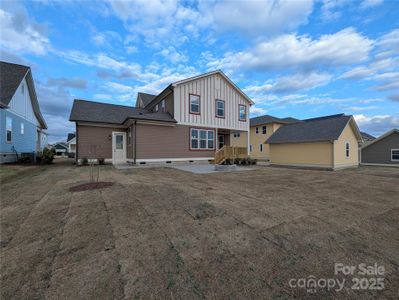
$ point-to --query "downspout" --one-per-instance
(77, 142)
(333, 155)
(134, 142)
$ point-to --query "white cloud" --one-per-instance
(377, 124)
(357, 73)
(257, 111)
(20, 34)
(173, 55)
(256, 18)
(330, 9)
(290, 51)
(370, 3)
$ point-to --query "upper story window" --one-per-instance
(22, 89)
(347, 149)
(8, 129)
(256, 130)
(22, 128)
(202, 139)
(242, 112)
(194, 102)
(395, 154)
(156, 108)
(220, 108)
(163, 105)
(263, 129)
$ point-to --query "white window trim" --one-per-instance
(199, 104)
(349, 150)
(22, 128)
(163, 105)
(8, 141)
(199, 139)
(392, 154)
(239, 113)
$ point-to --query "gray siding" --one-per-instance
(380, 151)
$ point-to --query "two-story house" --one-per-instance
(22, 126)
(187, 121)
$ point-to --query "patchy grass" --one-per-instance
(164, 233)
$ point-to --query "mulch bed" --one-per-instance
(90, 186)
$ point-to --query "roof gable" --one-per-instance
(267, 119)
(144, 98)
(381, 137)
(321, 129)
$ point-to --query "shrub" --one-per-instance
(48, 155)
(85, 161)
(101, 161)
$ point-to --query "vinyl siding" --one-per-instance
(242, 141)
(340, 159)
(302, 154)
(260, 138)
(209, 89)
(380, 151)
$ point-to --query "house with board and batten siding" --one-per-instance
(22, 126)
(188, 121)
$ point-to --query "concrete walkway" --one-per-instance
(204, 168)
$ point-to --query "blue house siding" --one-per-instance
(22, 142)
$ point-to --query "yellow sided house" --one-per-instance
(329, 142)
(261, 128)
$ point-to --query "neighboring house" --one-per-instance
(21, 122)
(384, 150)
(326, 142)
(261, 129)
(71, 141)
(189, 120)
(367, 138)
(61, 149)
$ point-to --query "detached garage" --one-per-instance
(382, 151)
(329, 142)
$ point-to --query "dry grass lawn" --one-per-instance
(164, 233)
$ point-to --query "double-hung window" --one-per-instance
(347, 150)
(263, 129)
(220, 108)
(261, 147)
(22, 128)
(194, 102)
(8, 129)
(395, 154)
(256, 130)
(163, 106)
(202, 139)
(242, 112)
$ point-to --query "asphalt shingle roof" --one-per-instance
(89, 111)
(327, 128)
(11, 76)
(267, 119)
(146, 98)
(367, 136)
(70, 136)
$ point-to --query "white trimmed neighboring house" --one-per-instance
(61, 149)
(22, 126)
(383, 151)
(71, 141)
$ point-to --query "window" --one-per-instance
(261, 147)
(236, 134)
(163, 105)
(156, 108)
(219, 108)
(256, 130)
(250, 148)
(22, 89)
(347, 149)
(119, 142)
(194, 104)
(202, 139)
(129, 136)
(8, 130)
(395, 154)
(22, 128)
(263, 129)
(243, 112)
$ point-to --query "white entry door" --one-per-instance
(118, 147)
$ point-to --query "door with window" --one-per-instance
(220, 141)
(118, 147)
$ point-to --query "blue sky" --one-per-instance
(293, 58)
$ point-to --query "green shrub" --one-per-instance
(48, 155)
(101, 161)
(85, 161)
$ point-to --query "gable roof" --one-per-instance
(11, 76)
(367, 136)
(60, 145)
(70, 136)
(327, 128)
(90, 111)
(386, 134)
(145, 98)
(171, 86)
(267, 119)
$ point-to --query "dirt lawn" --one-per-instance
(165, 233)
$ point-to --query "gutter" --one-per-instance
(134, 142)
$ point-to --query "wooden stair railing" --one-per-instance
(229, 152)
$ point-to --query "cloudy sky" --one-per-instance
(298, 58)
